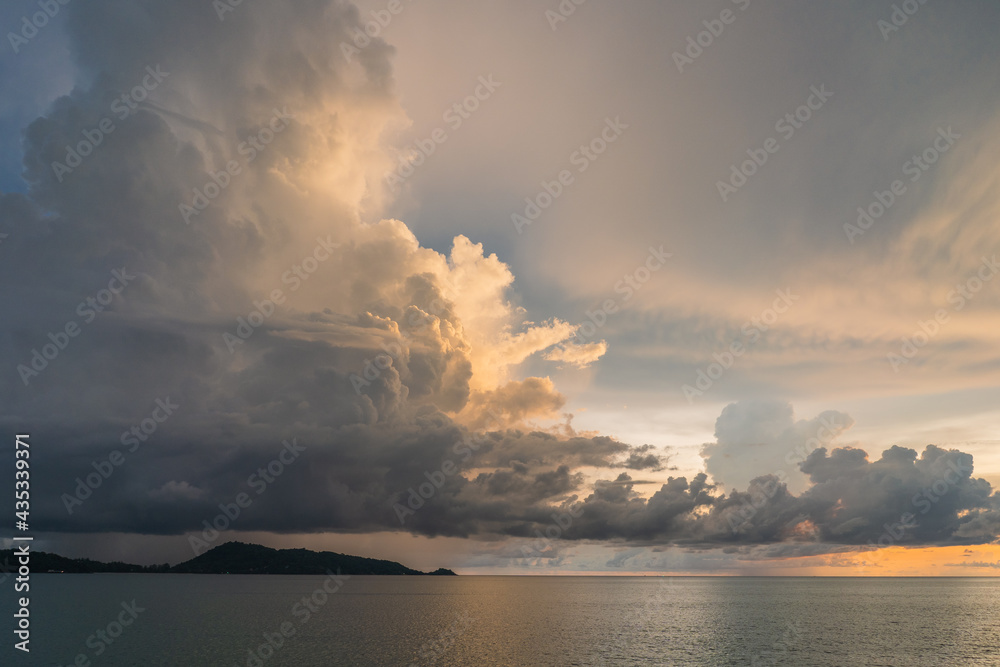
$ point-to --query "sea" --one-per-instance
(485, 621)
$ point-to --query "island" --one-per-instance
(228, 558)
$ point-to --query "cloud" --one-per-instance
(758, 436)
(900, 498)
(975, 563)
(514, 403)
(263, 302)
(639, 459)
(578, 355)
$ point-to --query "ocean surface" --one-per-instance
(223, 621)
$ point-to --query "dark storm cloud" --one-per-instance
(640, 460)
(899, 498)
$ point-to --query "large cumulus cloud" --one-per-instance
(754, 437)
(257, 292)
(900, 498)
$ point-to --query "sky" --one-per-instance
(510, 288)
